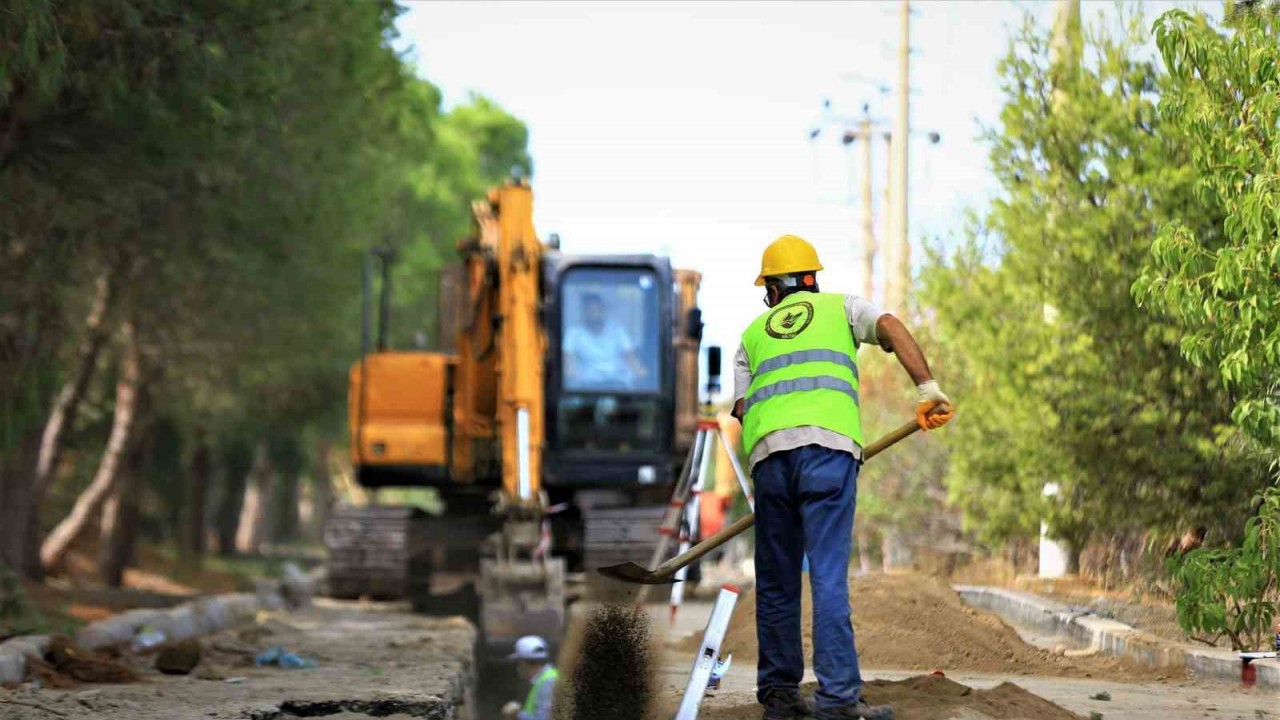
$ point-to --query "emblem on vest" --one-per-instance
(789, 321)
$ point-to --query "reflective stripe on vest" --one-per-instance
(547, 675)
(804, 384)
(804, 356)
(804, 371)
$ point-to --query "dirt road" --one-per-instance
(381, 661)
(374, 660)
(1136, 699)
(1183, 700)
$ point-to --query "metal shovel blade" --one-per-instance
(630, 572)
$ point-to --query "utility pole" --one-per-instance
(1066, 30)
(868, 219)
(866, 135)
(896, 262)
(863, 130)
(886, 217)
(899, 275)
(1057, 559)
(1062, 49)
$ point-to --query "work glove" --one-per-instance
(511, 710)
(931, 397)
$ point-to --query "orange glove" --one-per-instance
(931, 397)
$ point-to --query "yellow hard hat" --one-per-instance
(787, 255)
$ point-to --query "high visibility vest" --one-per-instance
(804, 369)
(548, 675)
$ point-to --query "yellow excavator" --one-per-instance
(551, 425)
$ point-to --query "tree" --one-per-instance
(107, 478)
(1067, 380)
(1234, 591)
(212, 175)
(1223, 281)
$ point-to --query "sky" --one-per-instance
(682, 128)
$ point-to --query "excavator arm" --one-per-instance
(501, 354)
(501, 348)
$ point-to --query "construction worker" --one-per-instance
(533, 665)
(796, 390)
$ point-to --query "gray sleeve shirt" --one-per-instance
(862, 315)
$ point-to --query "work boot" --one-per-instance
(859, 709)
(785, 704)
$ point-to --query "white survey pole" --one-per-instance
(708, 654)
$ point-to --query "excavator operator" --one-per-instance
(600, 354)
(796, 390)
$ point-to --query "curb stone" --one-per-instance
(1113, 637)
(202, 616)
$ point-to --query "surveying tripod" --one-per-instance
(682, 518)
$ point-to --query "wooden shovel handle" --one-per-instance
(696, 552)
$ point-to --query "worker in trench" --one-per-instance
(533, 665)
(796, 390)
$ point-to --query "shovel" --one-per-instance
(664, 574)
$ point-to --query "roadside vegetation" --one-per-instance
(1112, 316)
(187, 193)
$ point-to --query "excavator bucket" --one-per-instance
(629, 572)
(520, 598)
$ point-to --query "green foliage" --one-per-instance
(19, 616)
(13, 602)
(901, 492)
(1065, 379)
(1223, 281)
(225, 166)
(1234, 592)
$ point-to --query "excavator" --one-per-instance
(550, 424)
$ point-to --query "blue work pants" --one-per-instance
(804, 506)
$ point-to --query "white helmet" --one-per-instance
(529, 647)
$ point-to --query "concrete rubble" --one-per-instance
(198, 617)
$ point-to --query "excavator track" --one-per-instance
(377, 551)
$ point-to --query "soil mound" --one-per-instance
(66, 664)
(915, 622)
(930, 697)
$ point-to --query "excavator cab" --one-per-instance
(610, 371)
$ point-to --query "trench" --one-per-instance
(432, 709)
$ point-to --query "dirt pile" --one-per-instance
(929, 697)
(179, 658)
(66, 664)
(914, 622)
(612, 662)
